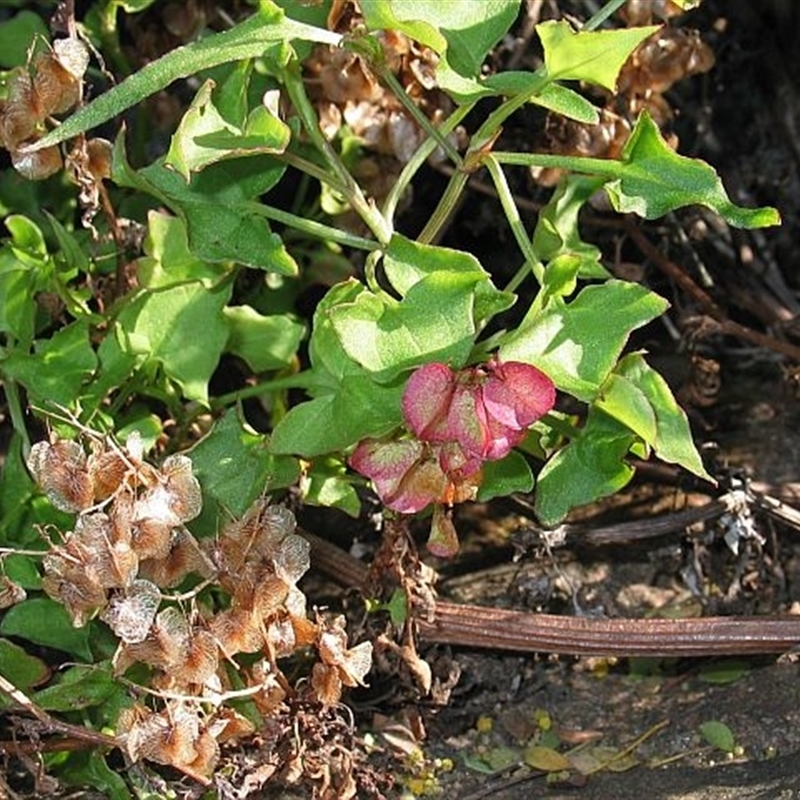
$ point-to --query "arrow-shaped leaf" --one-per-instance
(656, 180)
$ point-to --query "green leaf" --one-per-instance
(27, 236)
(57, 369)
(577, 344)
(326, 484)
(182, 329)
(592, 56)
(725, 671)
(235, 467)
(17, 35)
(117, 364)
(467, 31)
(23, 570)
(268, 29)
(348, 404)
(43, 621)
(18, 307)
(133, 6)
(264, 342)
(557, 231)
(718, 735)
(504, 477)
(552, 96)
(672, 439)
(89, 768)
(433, 322)
(591, 466)
(71, 257)
(204, 137)
(168, 261)
(334, 422)
(407, 262)
(20, 668)
(656, 180)
(79, 687)
(223, 223)
(626, 402)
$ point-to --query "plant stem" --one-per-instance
(298, 381)
(109, 33)
(413, 109)
(17, 415)
(532, 261)
(448, 201)
(603, 167)
(312, 228)
(603, 14)
(293, 81)
(423, 152)
(312, 169)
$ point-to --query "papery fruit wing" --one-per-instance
(183, 486)
(443, 539)
(426, 400)
(356, 663)
(131, 615)
(518, 394)
(59, 467)
(293, 558)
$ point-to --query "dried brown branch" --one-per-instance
(503, 629)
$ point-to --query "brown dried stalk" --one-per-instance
(503, 629)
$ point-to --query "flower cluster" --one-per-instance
(458, 420)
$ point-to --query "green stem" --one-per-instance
(312, 169)
(312, 228)
(293, 81)
(447, 203)
(488, 130)
(423, 152)
(603, 167)
(511, 211)
(17, 415)
(603, 14)
(413, 109)
(298, 381)
(109, 34)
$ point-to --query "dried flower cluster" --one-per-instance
(668, 56)
(457, 420)
(130, 543)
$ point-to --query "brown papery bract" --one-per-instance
(129, 541)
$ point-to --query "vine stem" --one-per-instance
(293, 81)
(511, 211)
(422, 154)
(313, 228)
